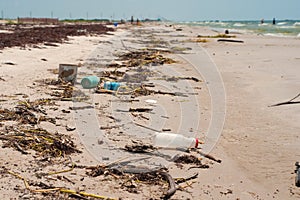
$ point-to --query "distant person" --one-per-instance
(131, 20)
(262, 21)
(137, 21)
(274, 21)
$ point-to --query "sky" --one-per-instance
(176, 10)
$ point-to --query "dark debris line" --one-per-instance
(22, 36)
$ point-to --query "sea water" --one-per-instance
(282, 28)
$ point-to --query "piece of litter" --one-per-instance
(151, 101)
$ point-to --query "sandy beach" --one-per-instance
(219, 92)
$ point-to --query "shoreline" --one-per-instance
(253, 78)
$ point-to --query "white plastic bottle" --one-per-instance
(172, 140)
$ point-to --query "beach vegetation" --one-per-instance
(10, 22)
(202, 40)
(84, 20)
(217, 36)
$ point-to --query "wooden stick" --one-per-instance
(210, 157)
(288, 102)
(182, 180)
(172, 185)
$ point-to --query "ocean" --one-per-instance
(282, 28)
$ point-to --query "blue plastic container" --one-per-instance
(111, 85)
(90, 82)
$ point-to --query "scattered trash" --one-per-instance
(172, 140)
(111, 85)
(151, 101)
(68, 72)
(90, 82)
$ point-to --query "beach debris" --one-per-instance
(140, 109)
(190, 159)
(46, 189)
(151, 101)
(201, 40)
(39, 140)
(2, 79)
(209, 156)
(182, 180)
(167, 140)
(64, 91)
(9, 63)
(110, 127)
(146, 127)
(227, 40)
(112, 85)
(297, 171)
(70, 128)
(143, 57)
(90, 82)
(217, 36)
(115, 74)
(291, 101)
(26, 112)
(228, 191)
(175, 79)
(68, 72)
(48, 35)
(139, 147)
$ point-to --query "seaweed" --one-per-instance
(39, 140)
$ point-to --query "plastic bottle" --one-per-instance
(111, 85)
(90, 82)
(172, 140)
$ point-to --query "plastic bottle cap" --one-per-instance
(197, 142)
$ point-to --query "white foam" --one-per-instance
(239, 25)
(281, 23)
(297, 24)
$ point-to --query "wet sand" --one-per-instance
(258, 144)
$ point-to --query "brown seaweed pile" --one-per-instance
(22, 35)
(39, 140)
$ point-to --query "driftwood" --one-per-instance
(210, 157)
(288, 102)
(182, 180)
(110, 127)
(172, 185)
(228, 40)
(140, 109)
